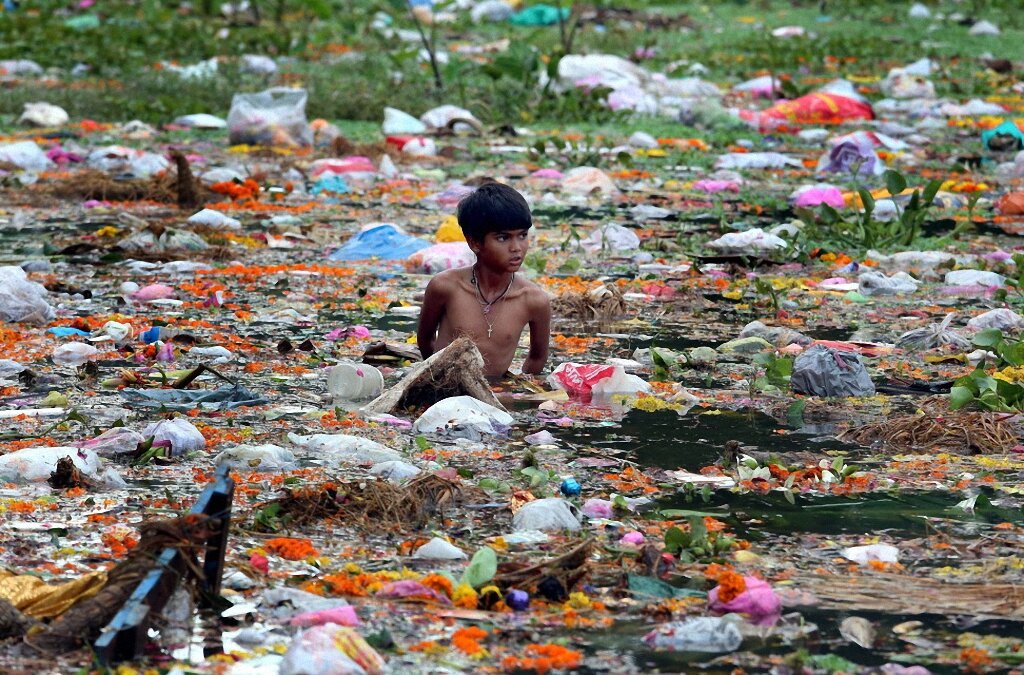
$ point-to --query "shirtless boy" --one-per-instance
(488, 302)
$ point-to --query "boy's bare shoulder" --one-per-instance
(534, 294)
(448, 280)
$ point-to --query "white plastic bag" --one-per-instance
(552, 513)
(256, 458)
(354, 382)
(26, 155)
(1004, 319)
(395, 471)
(974, 278)
(115, 442)
(214, 219)
(345, 449)
(34, 465)
(584, 180)
(439, 549)
(440, 257)
(22, 300)
(43, 115)
(276, 116)
(752, 241)
(463, 417)
(611, 237)
(183, 436)
(315, 652)
(873, 283)
(709, 634)
(73, 354)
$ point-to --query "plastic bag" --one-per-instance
(755, 160)
(754, 241)
(934, 335)
(25, 155)
(974, 278)
(214, 219)
(552, 513)
(276, 116)
(256, 458)
(584, 180)
(395, 471)
(34, 465)
(182, 435)
(330, 650)
(443, 116)
(381, 240)
(73, 354)
(1011, 204)
(1004, 319)
(22, 300)
(611, 237)
(862, 555)
(440, 257)
(620, 384)
(758, 602)
(817, 108)
(579, 379)
(463, 417)
(780, 336)
(354, 382)
(822, 371)
(873, 283)
(115, 442)
(43, 115)
(223, 398)
(1005, 137)
(400, 122)
(439, 549)
(708, 634)
(345, 449)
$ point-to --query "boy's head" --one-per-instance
(493, 207)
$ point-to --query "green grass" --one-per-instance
(860, 39)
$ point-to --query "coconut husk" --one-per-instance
(66, 475)
(959, 431)
(373, 504)
(603, 303)
(12, 622)
(902, 594)
(568, 566)
(83, 622)
(188, 188)
(456, 370)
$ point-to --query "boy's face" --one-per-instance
(501, 251)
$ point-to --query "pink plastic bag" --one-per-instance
(343, 616)
(758, 602)
(578, 379)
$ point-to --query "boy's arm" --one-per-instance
(430, 317)
(540, 333)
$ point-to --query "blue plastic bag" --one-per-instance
(386, 242)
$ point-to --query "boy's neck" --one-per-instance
(488, 279)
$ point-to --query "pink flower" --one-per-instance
(259, 562)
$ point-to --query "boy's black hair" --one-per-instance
(493, 207)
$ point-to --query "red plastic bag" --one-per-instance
(1011, 204)
(578, 379)
(809, 109)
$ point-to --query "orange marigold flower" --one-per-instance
(291, 549)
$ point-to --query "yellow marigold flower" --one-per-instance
(464, 596)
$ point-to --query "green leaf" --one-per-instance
(795, 414)
(930, 190)
(867, 200)
(676, 540)
(959, 397)
(656, 588)
(673, 514)
(989, 337)
(895, 183)
(698, 532)
(482, 568)
(422, 443)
